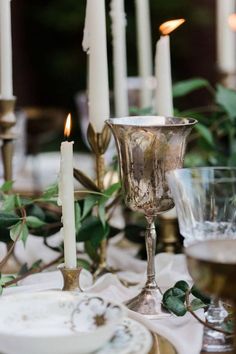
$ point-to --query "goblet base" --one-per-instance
(147, 303)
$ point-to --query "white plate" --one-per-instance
(131, 337)
(55, 322)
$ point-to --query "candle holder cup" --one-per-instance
(71, 278)
(7, 122)
(147, 148)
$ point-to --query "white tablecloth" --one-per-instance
(184, 332)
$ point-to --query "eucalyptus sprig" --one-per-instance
(41, 217)
(177, 301)
(20, 215)
(93, 227)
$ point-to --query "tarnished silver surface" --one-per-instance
(147, 148)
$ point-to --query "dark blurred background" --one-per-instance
(50, 66)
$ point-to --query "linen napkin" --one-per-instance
(185, 333)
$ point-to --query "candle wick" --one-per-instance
(66, 138)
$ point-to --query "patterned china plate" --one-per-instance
(131, 337)
(55, 322)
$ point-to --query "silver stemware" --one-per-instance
(147, 148)
(205, 201)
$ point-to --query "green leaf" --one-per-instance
(185, 87)
(6, 279)
(83, 264)
(9, 203)
(195, 292)
(194, 159)
(175, 305)
(91, 251)
(51, 191)
(112, 189)
(101, 234)
(102, 214)
(36, 264)
(205, 133)
(34, 222)
(19, 231)
(24, 233)
(6, 186)
(93, 230)
(108, 193)
(182, 285)
(8, 219)
(18, 201)
(15, 231)
(197, 304)
(24, 269)
(89, 203)
(226, 98)
(77, 217)
(35, 210)
(174, 292)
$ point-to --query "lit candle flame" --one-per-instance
(169, 26)
(232, 22)
(67, 126)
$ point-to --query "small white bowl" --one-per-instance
(56, 322)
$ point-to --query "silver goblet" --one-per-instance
(147, 148)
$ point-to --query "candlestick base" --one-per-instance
(7, 122)
(71, 278)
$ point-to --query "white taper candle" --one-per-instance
(145, 62)
(95, 44)
(164, 98)
(118, 18)
(6, 90)
(226, 41)
(66, 200)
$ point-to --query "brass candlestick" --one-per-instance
(99, 143)
(169, 236)
(7, 122)
(71, 278)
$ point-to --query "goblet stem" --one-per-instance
(150, 240)
(148, 302)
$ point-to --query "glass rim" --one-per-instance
(132, 121)
(193, 251)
